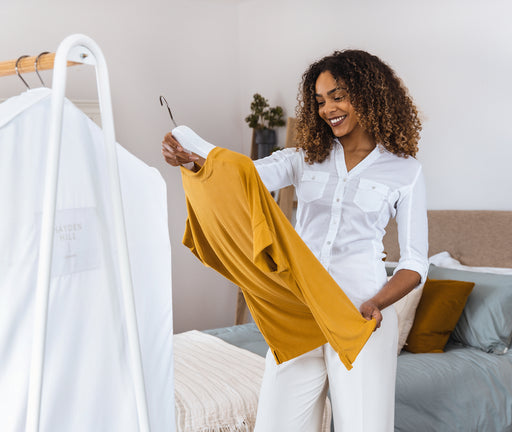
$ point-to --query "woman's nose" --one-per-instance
(329, 106)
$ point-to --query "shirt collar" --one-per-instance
(361, 166)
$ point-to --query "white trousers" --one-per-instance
(292, 395)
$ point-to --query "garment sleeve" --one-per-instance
(279, 169)
(411, 218)
(189, 240)
(267, 253)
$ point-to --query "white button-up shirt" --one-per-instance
(342, 215)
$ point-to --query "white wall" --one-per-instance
(455, 56)
(208, 57)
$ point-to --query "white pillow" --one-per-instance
(406, 310)
(444, 259)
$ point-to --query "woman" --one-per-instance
(354, 169)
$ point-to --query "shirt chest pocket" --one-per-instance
(370, 195)
(312, 185)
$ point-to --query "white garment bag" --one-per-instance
(90, 381)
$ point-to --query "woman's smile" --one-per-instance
(336, 121)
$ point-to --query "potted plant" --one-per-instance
(263, 119)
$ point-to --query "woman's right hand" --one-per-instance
(174, 154)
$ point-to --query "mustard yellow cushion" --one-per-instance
(437, 314)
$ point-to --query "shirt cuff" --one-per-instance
(419, 267)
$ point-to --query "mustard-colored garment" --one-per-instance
(235, 227)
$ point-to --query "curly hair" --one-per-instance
(381, 101)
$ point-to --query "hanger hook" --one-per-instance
(18, 73)
(168, 109)
(35, 66)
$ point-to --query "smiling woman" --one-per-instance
(352, 173)
(357, 134)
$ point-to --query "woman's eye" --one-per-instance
(320, 103)
(339, 98)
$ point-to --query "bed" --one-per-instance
(468, 387)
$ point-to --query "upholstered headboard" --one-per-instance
(474, 237)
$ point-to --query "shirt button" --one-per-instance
(312, 178)
(373, 187)
(328, 242)
(345, 179)
(337, 200)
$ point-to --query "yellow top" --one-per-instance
(235, 227)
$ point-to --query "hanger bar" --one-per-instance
(27, 64)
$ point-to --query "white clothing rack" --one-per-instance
(82, 49)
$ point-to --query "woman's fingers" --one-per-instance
(172, 142)
(370, 310)
(378, 317)
(169, 156)
(176, 159)
(174, 154)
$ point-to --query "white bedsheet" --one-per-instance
(217, 385)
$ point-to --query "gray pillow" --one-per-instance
(486, 322)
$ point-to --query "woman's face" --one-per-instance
(334, 105)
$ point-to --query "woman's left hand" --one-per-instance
(370, 310)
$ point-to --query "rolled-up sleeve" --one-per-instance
(279, 169)
(411, 218)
